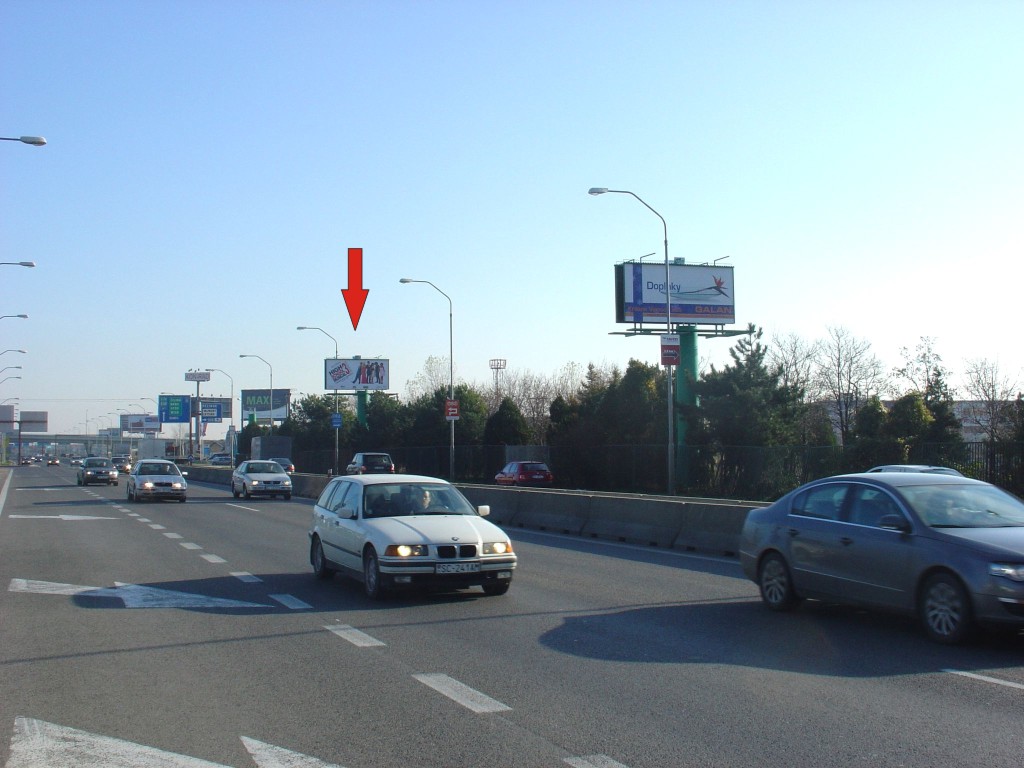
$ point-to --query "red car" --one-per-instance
(528, 473)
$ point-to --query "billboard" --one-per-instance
(175, 409)
(214, 409)
(257, 402)
(7, 418)
(356, 374)
(35, 421)
(697, 294)
(140, 423)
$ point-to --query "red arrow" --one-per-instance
(355, 295)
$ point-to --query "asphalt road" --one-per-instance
(166, 634)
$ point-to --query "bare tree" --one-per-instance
(847, 373)
(991, 399)
(924, 372)
(795, 357)
(435, 375)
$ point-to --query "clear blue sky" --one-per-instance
(209, 164)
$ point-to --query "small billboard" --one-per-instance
(696, 294)
(139, 423)
(259, 404)
(356, 374)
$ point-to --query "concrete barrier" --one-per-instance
(701, 525)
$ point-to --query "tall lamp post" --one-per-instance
(271, 389)
(35, 141)
(22, 351)
(17, 263)
(336, 411)
(234, 439)
(451, 374)
(668, 327)
(23, 317)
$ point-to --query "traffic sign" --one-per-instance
(451, 410)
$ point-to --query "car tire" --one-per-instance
(776, 584)
(945, 610)
(371, 576)
(316, 558)
(245, 492)
(234, 491)
(183, 499)
(287, 497)
(498, 588)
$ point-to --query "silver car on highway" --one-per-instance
(946, 548)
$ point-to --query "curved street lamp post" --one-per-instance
(271, 389)
(336, 412)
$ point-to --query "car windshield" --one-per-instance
(377, 461)
(158, 469)
(964, 506)
(98, 463)
(403, 499)
(264, 467)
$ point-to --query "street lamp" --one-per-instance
(10, 367)
(9, 378)
(234, 437)
(35, 141)
(336, 412)
(22, 351)
(17, 263)
(23, 317)
(271, 389)
(451, 373)
(668, 326)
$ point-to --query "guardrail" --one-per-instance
(690, 524)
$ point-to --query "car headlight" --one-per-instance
(286, 482)
(255, 482)
(497, 547)
(406, 550)
(1012, 571)
(177, 485)
(147, 484)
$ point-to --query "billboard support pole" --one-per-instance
(686, 374)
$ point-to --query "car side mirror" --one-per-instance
(184, 474)
(894, 523)
(347, 513)
(484, 510)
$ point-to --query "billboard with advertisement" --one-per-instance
(356, 374)
(697, 294)
(258, 403)
(139, 423)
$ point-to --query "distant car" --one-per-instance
(916, 468)
(370, 463)
(76, 462)
(156, 479)
(948, 549)
(26, 462)
(97, 470)
(123, 463)
(395, 531)
(525, 473)
(286, 465)
(220, 460)
(260, 477)
(53, 461)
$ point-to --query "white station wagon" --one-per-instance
(394, 531)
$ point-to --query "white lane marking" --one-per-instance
(268, 756)
(213, 559)
(190, 545)
(174, 536)
(37, 743)
(290, 601)
(240, 575)
(60, 517)
(461, 693)
(144, 520)
(593, 761)
(3, 491)
(134, 514)
(132, 595)
(985, 679)
(239, 506)
(158, 527)
(354, 636)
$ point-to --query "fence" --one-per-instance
(735, 472)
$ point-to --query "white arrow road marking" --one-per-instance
(61, 517)
(462, 693)
(132, 595)
(354, 636)
(269, 756)
(38, 744)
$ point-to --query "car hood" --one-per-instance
(159, 478)
(1007, 540)
(264, 476)
(436, 529)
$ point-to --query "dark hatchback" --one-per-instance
(947, 549)
(525, 473)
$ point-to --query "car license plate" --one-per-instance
(457, 568)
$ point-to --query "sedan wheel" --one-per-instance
(129, 494)
(945, 610)
(776, 584)
(498, 588)
(245, 491)
(234, 491)
(319, 562)
(371, 576)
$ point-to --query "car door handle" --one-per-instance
(845, 541)
(793, 533)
